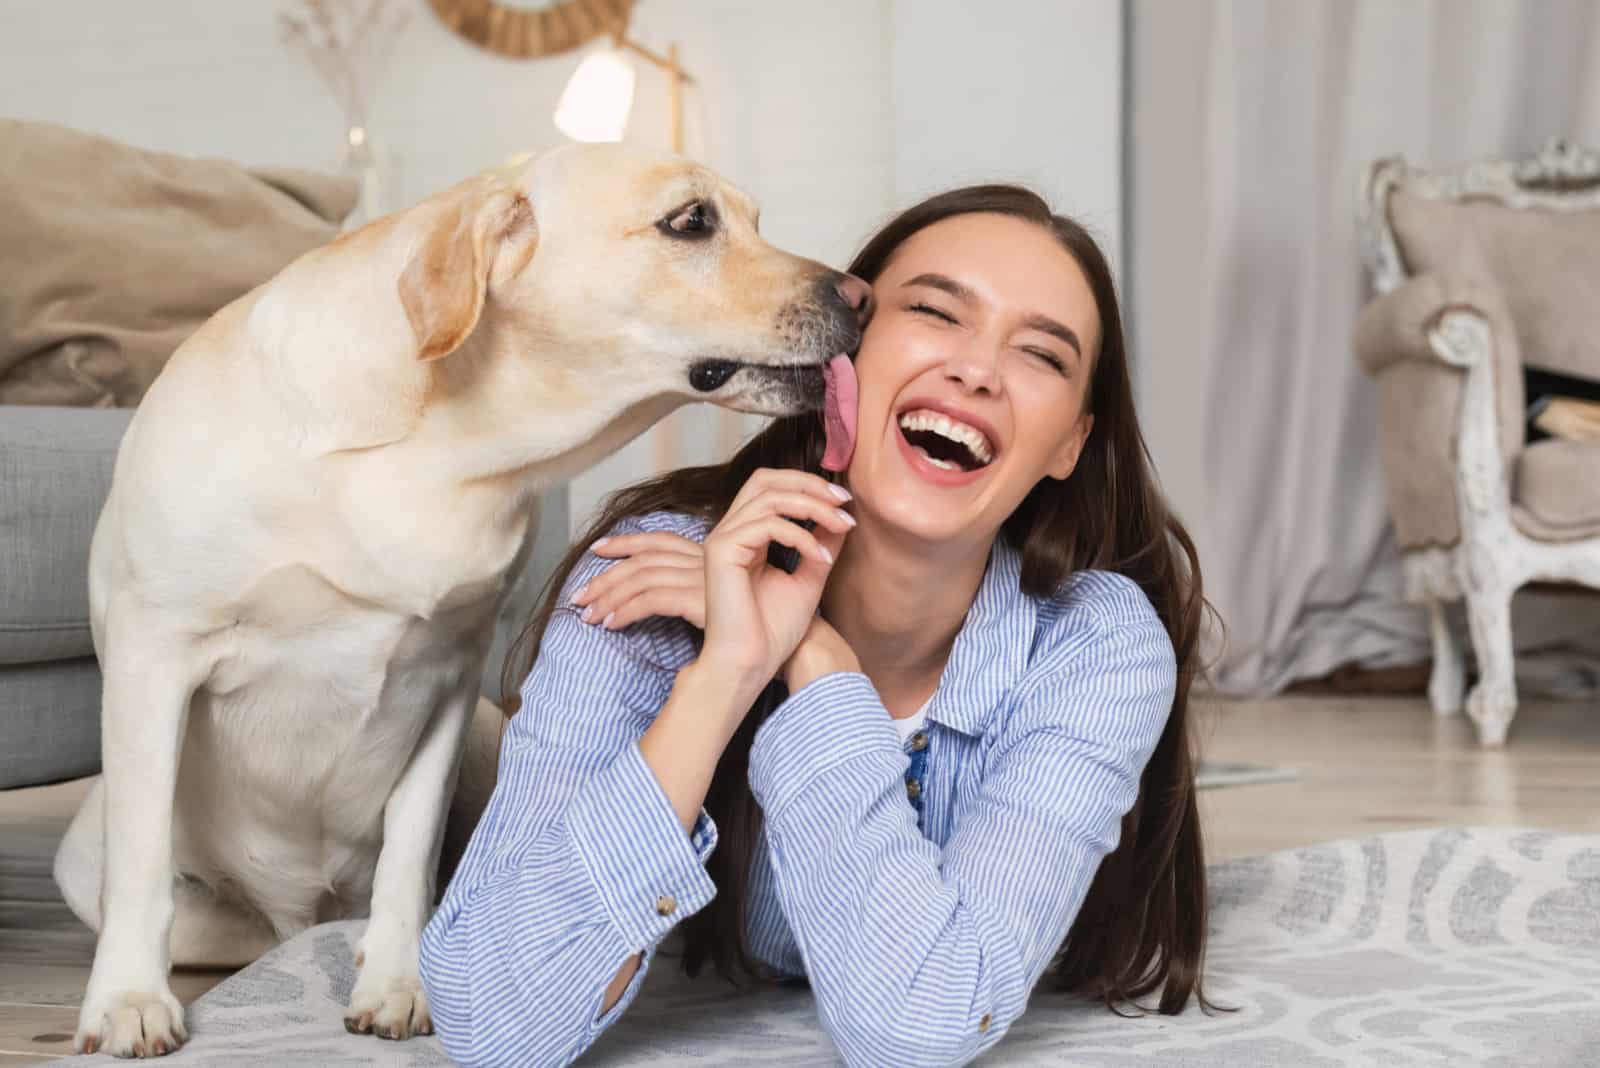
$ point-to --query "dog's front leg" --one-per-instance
(128, 1008)
(388, 999)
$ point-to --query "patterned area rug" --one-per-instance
(1448, 947)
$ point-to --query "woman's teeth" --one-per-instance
(962, 434)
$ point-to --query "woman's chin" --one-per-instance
(909, 498)
(913, 515)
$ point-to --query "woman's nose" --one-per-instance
(975, 367)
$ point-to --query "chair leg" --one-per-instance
(1448, 679)
(1493, 701)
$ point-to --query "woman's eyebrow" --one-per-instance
(1049, 326)
(947, 284)
(1042, 323)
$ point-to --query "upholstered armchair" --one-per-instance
(1479, 271)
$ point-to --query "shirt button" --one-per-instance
(913, 789)
(983, 1024)
(919, 741)
(665, 904)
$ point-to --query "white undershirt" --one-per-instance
(913, 723)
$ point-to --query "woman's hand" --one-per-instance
(663, 574)
(660, 574)
(822, 651)
(769, 613)
(757, 614)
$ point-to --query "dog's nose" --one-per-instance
(855, 293)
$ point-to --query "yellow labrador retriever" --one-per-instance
(316, 513)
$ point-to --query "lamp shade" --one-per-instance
(595, 104)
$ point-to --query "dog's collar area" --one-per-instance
(710, 375)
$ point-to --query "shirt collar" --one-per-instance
(991, 649)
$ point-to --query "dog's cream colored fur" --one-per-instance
(312, 523)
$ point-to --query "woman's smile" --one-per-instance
(943, 448)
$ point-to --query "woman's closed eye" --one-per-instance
(1047, 356)
(1055, 362)
(930, 310)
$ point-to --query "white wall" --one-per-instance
(833, 113)
(1018, 90)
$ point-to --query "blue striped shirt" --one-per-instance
(922, 915)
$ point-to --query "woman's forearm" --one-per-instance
(574, 870)
(582, 859)
(682, 748)
(687, 738)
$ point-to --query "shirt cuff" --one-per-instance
(650, 874)
(831, 721)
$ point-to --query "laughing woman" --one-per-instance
(972, 760)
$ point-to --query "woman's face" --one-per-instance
(971, 376)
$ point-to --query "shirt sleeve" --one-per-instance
(925, 956)
(578, 863)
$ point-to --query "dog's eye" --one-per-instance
(692, 220)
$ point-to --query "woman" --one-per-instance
(974, 743)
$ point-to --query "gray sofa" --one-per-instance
(55, 471)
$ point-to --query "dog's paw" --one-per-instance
(146, 1024)
(398, 1009)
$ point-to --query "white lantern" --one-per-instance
(595, 104)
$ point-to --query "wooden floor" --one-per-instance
(1365, 766)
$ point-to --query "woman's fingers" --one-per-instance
(826, 513)
(621, 571)
(635, 582)
(655, 541)
(765, 479)
(743, 543)
(687, 603)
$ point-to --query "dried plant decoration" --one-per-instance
(347, 43)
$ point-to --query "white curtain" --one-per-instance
(1251, 122)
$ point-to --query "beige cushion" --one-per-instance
(1556, 490)
(110, 256)
(1545, 261)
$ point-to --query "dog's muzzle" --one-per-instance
(710, 375)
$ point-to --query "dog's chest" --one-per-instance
(325, 672)
(316, 672)
(311, 725)
(354, 615)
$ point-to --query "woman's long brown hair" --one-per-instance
(1142, 927)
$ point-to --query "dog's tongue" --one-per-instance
(839, 412)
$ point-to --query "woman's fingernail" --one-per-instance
(846, 516)
(839, 491)
(599, 543)
(606, 622)
(578, 597)
(826, 555)
(587, 614)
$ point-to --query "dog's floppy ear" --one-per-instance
(445, 281)
(341, 352)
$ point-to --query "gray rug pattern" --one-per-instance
(1449, 947)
